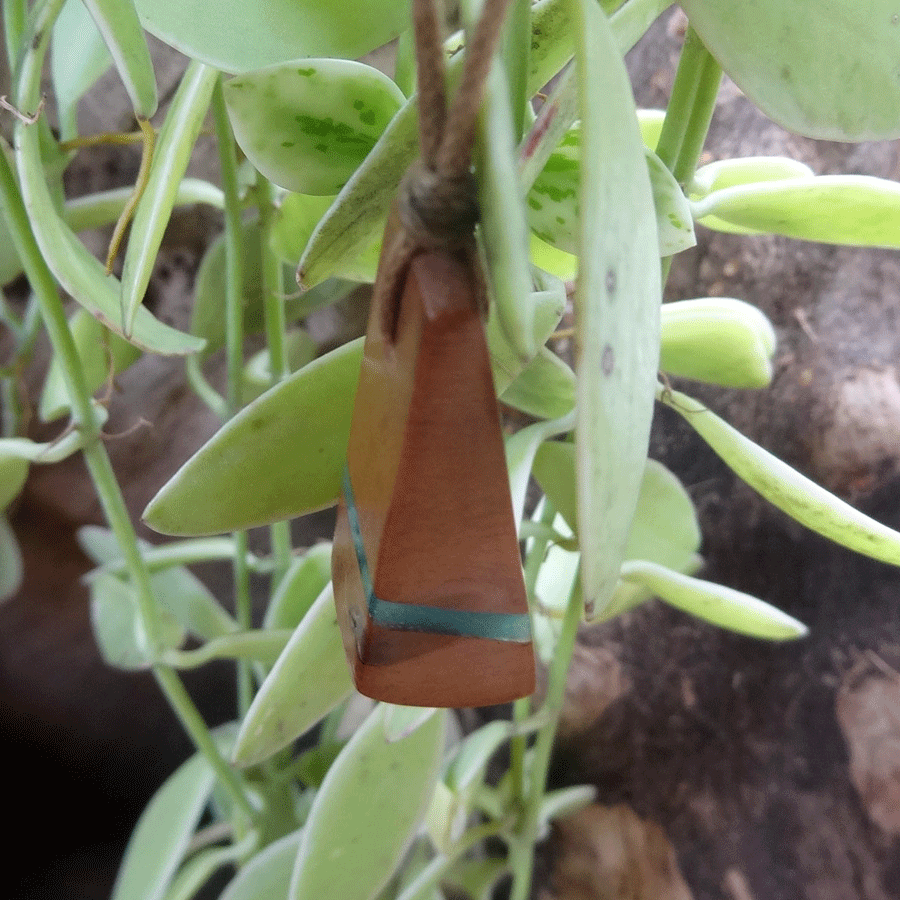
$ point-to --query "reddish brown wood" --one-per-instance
(431, 488)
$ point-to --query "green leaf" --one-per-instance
(102, 354)
(299, 428)
(544, 389)
(177, 590)
(366, 813)
(208, 313)
(301, 585)
(51, 452)
(504, 229)
(308, 125)
(236, 37)
(118, 23)
(617, 308)
(802, 499)
(197, 871)
(402, 721)
(79, 57)
(854, 210)
(520, 452)
(10, 561)
(726, 173)
(263, 646)
(715, 603)
(546, 308)
(553, 200)
(268, 874)
(13, 472)
(163, 833)
(118, 629)
(473, 754)
(824, 70)
(77, 271)
(170, 159)
(564, 802)
(718, 340)
(309, 679)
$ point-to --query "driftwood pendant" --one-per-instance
(426, 568)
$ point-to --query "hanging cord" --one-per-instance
(437, 202)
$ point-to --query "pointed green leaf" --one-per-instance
(715, 603)
(78, 272)
(102, 354)
(175, 588)
(170, 159)
(10, 561)
(718, 340)
(309, 679)
(824, 70)
(854, 210)
(544, 389)
(367, 811)
(236, 37)
(802, 499)
(268, 874)
(553, 200)
(308, 125)
(118, 23)
(504, 229)
(52, 451)
(617, 308)
(402, 721)
(163, 833)
(78, 58)
(547, 306)
(726, 173)
(263, 646)
(520, 451)
(474, 752)
(563, 802)
(301, 585)
(118, 630)
(299, 429)
(13, 472)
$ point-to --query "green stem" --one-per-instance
(516, 56)
(690, 109)
(234, 352)
(534, 559)
(432, 873)
(276, 327)
(522, 852)
(14, 14)
(193, 723)
(689, 113)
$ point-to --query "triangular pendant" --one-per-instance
(426, 568)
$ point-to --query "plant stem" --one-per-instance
(522, 708)
(14, 14)
(697, 66)
(273, 305)
(688, 114)
(234, 351)
(522, 851)
(193, 723)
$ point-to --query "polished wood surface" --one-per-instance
(429, 478)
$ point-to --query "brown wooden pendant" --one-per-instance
(426, 568)
(429, 588)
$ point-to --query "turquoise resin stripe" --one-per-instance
(514, 627)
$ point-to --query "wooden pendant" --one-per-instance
(426, 567)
